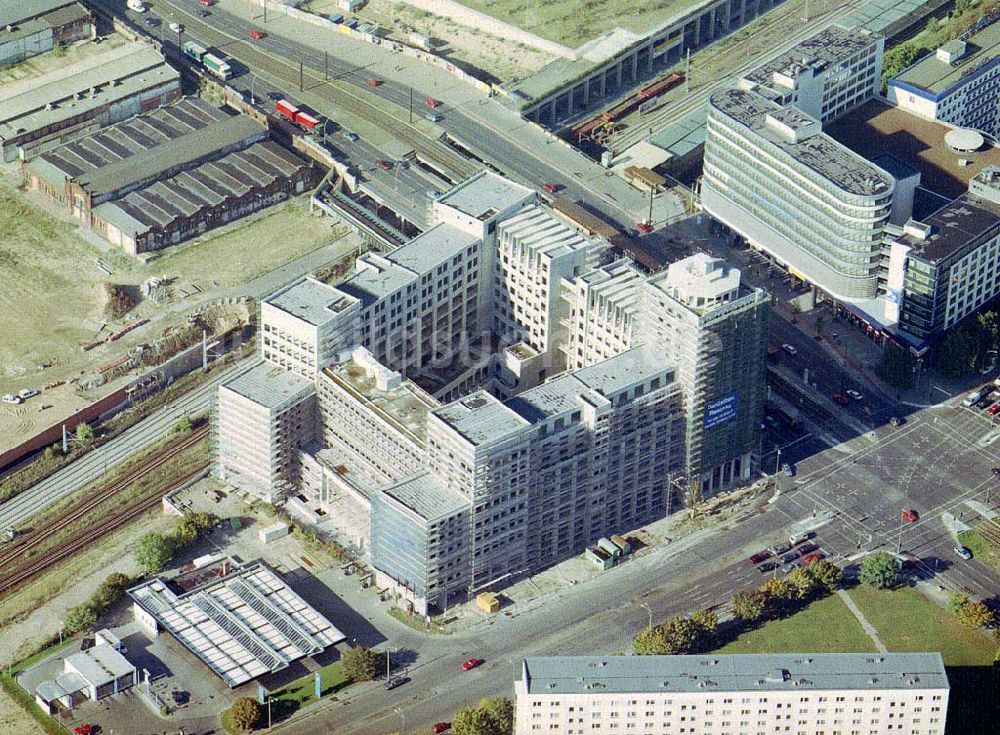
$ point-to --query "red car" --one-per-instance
(206, 3)
(644, 227)
(431, 102)
(83, 730)
(994, 409)
(760, 556)
(440, 727)
(910, 515)
(550, 188)
(373, 82)
(841, 398)
(471, 663)
(815, 556)
(257, 35)
(807, 548)
(384, 165)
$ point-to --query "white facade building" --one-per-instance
(799, 694)
(826, 75)
(958, 84)
(792, 191)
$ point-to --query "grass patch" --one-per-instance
(302, 692)
(23, 699)
(416, 622)
(824, 626)
(906, 620)
(981, 547)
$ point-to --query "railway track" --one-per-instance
(15, 570)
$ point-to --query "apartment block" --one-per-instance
(262, 418)
(602, 305)
(824, 76)
(958, 84)
(749, 694)
(792, 191)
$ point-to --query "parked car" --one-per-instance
(350, 136)
(789, 567)
(204, 13)
(963, 551)
(471, 663)
(256, 35)
(994, 409)
(760, 556)
(10, 398)
(766, 567)
(854, 394)
(152, 21)
(807, 548)
(788, 470)
(790, 557)
(897, 420)
(798, 538)
(26, 393)
(396, 681)
(384, 165)
(910, 515)
(810, 558)
(440, 727)
(790, 349)
(779, 549)
(433, 117)
(841, 398)
(176, 27)
(550, 187)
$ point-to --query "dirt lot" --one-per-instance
(14, 721)
(470, 47)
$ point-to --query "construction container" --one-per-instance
(273, 532)
(610, 547)
(487, 602)
(599, 557)
(622, 543)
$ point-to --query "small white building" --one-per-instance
(96, 673)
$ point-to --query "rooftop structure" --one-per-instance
(798, 136)
(100, 664)
(11, 14)
(484, 195)
(33, 27)
(269, 386)
(82, 90)
(876, 128)
(481, 418)
(955, 63)
(797, 672)
(310, 300)
(243, 622)
(428, 497)
(700, 282)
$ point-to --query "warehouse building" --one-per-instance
(241, 621)
(39, 113)
(748, 694)
(32, 27)
(168, 175)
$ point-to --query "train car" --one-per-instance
(286, 109)
(217, 66)
(587, 222)
(660, 86)
(194, 50)
(307, 120)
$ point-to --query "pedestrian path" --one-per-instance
(869, 629)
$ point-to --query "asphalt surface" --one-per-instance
(18, 511)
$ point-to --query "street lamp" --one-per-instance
(402, 719)
(650, 611)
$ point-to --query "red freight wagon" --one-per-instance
(306, 120)
(286, 109)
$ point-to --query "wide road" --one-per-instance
(18, 511)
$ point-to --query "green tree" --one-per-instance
(957, 602)
(898, 58)
(193, 526)
(748, 605)
(154, 551)
(681, 635)
(801, 584)
(706, 624)
(84, 434)
(651, 642)
(896, 367)
(183, 425)
(957, 353)
(777, 589)
(878, 570)
(244, 713)
(501, 710)
(976, 615)
(491, 717)
(80, 617)
(110, 591)
(826, 574)
(360, 663)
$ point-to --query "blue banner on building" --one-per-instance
(721, 410)
(261, 694)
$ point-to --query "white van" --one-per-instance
(137, 5)
(972, 399)
(798, 538)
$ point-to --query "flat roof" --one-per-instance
(241, 621)
(269, 386)
(481, 418)
(953, 227)
(100, 664)
(483, 195)
(100, 80)
(17, 11)
(791, 672)
(876, 128)
(881, 15)
(828, 48)
(820, 152)
(538, 230)
(310, 300)
(684, 135)
(938, 77)
(428, 496)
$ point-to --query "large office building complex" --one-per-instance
(819, 209)
(958, 84)
(39, 113)
(498, 393)
(824, 76)
(799, 694)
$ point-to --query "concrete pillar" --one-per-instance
(711, 24)
(603, 86)
(618, 74)
(586, 91)
(634, 60)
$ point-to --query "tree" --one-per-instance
(80, 617)
(896, 367)
(976, 615)
(801, 584)
(491, 717)
(898, 58)
(956, 602)
(360, 663)
(681, 635)
(192, 526)
(244, 713)
(84, 434)
(878, 570)
(748, 605)
(777, 589)
(706, 623)
(826, 574)
(956, 355)
(110, 591)
(651, 642)
(183, 425)
(154, 551)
